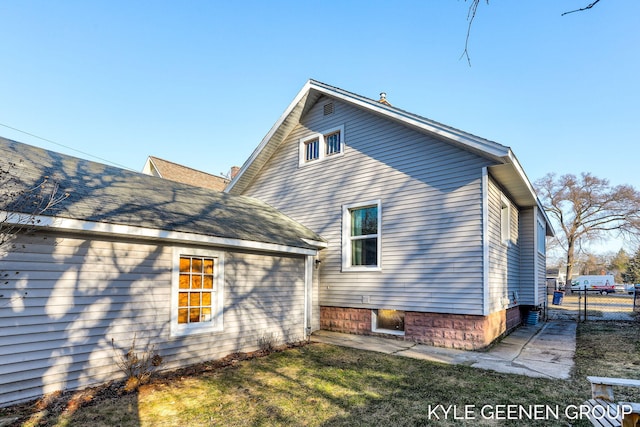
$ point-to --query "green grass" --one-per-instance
(322, 385)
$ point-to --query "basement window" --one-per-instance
(388, 321)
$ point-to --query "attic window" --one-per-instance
(311, 150)
(320, 146)
(328, 108)
(332, 142)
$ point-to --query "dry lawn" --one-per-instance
(322, 385)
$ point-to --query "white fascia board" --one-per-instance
(491, 148)
(81, 226)
(511, 158)
(147, 167)
(305, 89)
(516, 164)
(316, 243)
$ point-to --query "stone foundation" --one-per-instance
(442, 330)
(346, 320)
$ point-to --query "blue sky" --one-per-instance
(201, 82)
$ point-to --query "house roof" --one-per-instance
(186, 175)
(507, 169)
(103, 197)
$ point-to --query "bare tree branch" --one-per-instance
(471, 15)
(22, 206)
(589, 6)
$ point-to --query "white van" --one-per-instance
(605, 284)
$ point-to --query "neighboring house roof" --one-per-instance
(112, 200)
(168, 170)
(508, 171)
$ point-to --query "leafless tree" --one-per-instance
(587, 208)
(21, 206)
(471, 15)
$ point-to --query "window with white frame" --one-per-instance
(542, 234)
(196, 291)
(388, 321)
(505, 220)
(322, 145)
(333, 144)
(361, 237)
(312, 150)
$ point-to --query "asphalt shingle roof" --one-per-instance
(108, 194)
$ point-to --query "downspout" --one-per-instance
(485, 241)
(308, 295)
(536, 284)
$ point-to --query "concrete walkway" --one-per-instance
(544, 350)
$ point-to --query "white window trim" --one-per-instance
(216, 324)
(346, 236)
(505, 229)
(322, 148)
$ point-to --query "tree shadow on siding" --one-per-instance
(431, 202)
(81, 290)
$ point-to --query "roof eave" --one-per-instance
(511, 176)
(298, 106)
(307, 247)
(294, 107)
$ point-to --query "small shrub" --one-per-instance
(137, 366)
(268, 341)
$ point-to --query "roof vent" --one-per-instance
(383, 98)
(328, 108)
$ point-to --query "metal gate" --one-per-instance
(616, 306)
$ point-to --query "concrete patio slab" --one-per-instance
(545, 350)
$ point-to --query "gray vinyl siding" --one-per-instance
(528, 257)
(64, 298)
(504, 258)
(431, 202)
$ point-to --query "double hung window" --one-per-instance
(361, 242)
(196, 292)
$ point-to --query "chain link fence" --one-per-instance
(584, 306)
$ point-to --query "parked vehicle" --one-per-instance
(630, 288)
(605, 284)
